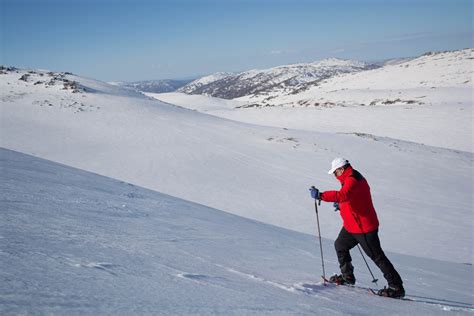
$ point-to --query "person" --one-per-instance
(360, 226)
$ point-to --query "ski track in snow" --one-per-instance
(314, 289)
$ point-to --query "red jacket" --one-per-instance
(355, 202)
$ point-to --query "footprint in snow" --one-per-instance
(103, 266)
(197, 277)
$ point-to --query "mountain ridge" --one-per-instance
(280, 79)
(156, 86)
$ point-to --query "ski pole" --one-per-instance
(374, 280)
(319, 236)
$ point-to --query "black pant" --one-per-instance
(371, 244)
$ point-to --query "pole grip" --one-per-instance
(319, 200)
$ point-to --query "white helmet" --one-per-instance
(338, 163)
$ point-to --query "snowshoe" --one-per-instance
(340, 279)
(392, 292)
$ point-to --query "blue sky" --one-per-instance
(140, 40)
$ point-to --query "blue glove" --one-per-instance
(315, 193)
(336, 206)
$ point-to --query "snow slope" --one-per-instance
(201, 103)
(75, 243)
(423, 194)
(156, 86)
(427, 100)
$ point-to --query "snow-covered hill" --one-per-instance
(426, 100)
(156, 86)
(201, 103)
(204, 81)
(277, 80)
(75, 243)
(257, 172)
(406, 83)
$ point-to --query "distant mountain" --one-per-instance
(156, 86)
(273, 81)
(203, 82)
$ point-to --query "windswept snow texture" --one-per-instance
(75, 243)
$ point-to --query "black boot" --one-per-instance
(342, 279)
(392, 291)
